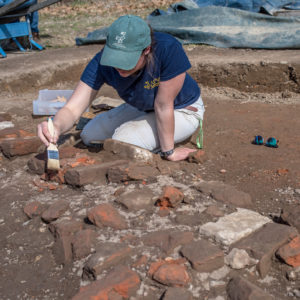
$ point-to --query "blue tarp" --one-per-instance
(221, 26)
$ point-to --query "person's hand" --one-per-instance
(180, 154)
(44, 134)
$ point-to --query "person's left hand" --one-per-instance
(180, 154)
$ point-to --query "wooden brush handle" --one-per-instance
(50, 127)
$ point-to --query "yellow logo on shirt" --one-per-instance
(151, 85)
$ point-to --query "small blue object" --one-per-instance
(258, 140)
(272, 142)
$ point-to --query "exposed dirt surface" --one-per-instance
(239, 105)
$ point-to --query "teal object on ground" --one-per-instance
(272, 142)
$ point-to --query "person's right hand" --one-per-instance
(44, 134)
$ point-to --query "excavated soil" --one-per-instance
(246, 93)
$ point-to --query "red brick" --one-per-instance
(82, 175)
(132, 172)
(12, 133)
(106, 215)
(290, 253)
(121, 280)
(82, 243)
(34, 209)
(171, 197)
(172, 275)
(108, 255)
(20, 146)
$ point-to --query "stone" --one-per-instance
(172, 275)
(239, 288)
(37, 164)
(121, 280)
(203, 256)
(171, 197)
(82, 243)
(128, 151)
(198, 157)
(20, 146)
(239, 259)
(132, 172)
(263, 243)
(168, 240)
(34, 209)
(175, 293)
(231, 228)
(83, 175)
(290, 215)
(106, 215)
(225, 193)
(107, 255)
(137, 199)
(55, 210)
(290, 252)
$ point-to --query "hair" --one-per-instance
(150, 57)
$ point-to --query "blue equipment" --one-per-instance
(12, 28)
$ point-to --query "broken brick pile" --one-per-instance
(124, 256)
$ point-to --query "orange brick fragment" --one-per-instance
(290, 252)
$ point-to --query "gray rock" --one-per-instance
(239, 259)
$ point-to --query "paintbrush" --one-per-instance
(52, 151)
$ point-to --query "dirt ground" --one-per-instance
(232, 118)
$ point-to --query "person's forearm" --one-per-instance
(165, 126)
(64, 120)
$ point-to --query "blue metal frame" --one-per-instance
(17, 29)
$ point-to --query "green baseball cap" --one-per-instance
(127, 37)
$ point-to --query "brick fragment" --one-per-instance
(239, 288)
(198, 157)
(203, 256)
(121, 280)
(12, 133)
(106, 215)
(290, 253)
(55, 210)
(5, 117)
(82, 243)
(108, 255)
(82, 175)
(263, 243)
(132, 172)
(172, 275)
(171, 197)
(34, 209)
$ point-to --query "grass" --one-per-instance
(61, 23)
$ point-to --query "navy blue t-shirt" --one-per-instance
(139, 90)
